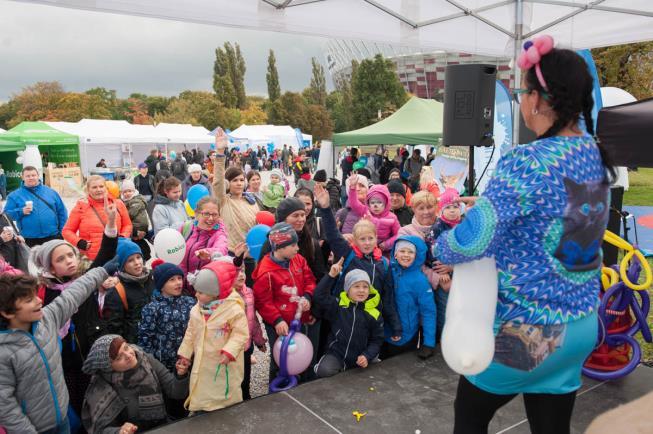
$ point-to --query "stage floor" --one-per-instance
(400, 395)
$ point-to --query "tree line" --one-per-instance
(372, 89)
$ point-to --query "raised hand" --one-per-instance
(321, 196)
(240, 249)
(110, 210)
(352, 180)
(221, 141)
(336, 268)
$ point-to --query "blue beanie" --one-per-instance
(126, 248)
(165, 271)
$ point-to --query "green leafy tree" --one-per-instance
(338, 104)
(375, 87)
(199, 108)
(318, 123)
(253, 115)
(318, 93)
(272, 78)
(629, 67)
(229, 76)
(7, 112)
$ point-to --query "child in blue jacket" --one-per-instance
(414, 299)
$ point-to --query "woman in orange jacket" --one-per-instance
(87, 220)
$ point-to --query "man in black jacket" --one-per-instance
(398, 202)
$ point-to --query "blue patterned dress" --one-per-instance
(542, 217)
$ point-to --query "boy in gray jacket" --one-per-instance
(33, 394)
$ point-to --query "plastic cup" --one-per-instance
(29, 204)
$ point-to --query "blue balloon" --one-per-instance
(255, 239)
(363, 160)
(173, 155)
(195, 193)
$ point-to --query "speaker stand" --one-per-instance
(470, 173)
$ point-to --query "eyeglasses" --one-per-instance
(517, 93)
(210, 215)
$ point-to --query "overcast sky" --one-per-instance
(84, 49)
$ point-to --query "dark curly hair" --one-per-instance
(569, 95)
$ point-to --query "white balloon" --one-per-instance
(170, 246)
(19, 160)
(468, 335)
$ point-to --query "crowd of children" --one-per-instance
(195, 324)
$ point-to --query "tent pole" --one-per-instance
(470, 173)
(519, 31)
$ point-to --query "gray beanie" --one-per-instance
(354, 276)
(42, 255)
(206, 282)
(98, 358)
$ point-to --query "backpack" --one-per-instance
(178, 168)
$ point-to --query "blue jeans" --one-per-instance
(62, 428)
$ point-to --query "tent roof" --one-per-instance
(473, 26)
(39, 133)
(419, 121)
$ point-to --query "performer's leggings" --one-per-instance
(474, 409)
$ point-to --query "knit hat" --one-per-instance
(395, 186)
(449, 197)
(403, 244)
(216, 278)
(42, 255)
(265, 218)
(395, 170)
(288, 206)
(354, 276)
(164, 271)
(194, 168)
(127, 184)
(282, 235)
(126, 248)
(142, 165)
(320, 176)
(98, 358)
(277, 172)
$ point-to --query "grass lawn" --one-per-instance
(641, 188)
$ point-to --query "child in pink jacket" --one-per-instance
(377, 210)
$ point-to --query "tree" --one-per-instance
(338, 104)
(199, 108)
(292, 109)
(229, 76)
(136, 112)
(37, 102)
(317, 88)
(629, 67)
(272, 77)
(74, 107)
(7, 112)
(318, 123)
(375, 87)
(253, 115)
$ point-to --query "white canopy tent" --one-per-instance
(488, 27)
(279, 135)
(123, 144)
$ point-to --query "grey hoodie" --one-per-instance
(33, 394)
(167, 214)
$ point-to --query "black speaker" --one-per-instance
(610, 252)
(469, 105)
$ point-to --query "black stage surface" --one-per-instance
(400, 395)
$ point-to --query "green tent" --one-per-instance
(61, 147)
(419, 121)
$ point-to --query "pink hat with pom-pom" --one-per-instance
(532, 55)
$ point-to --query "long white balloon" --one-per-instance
(468, 335)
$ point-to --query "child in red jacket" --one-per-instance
(283, 283)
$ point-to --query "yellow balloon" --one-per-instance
(189, 210)
(113, 189)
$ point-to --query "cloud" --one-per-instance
(84, 49)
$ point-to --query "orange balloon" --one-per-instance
(112, 189)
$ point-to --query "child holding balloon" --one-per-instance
(216, 336)
(283, 282)
(359, 299)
